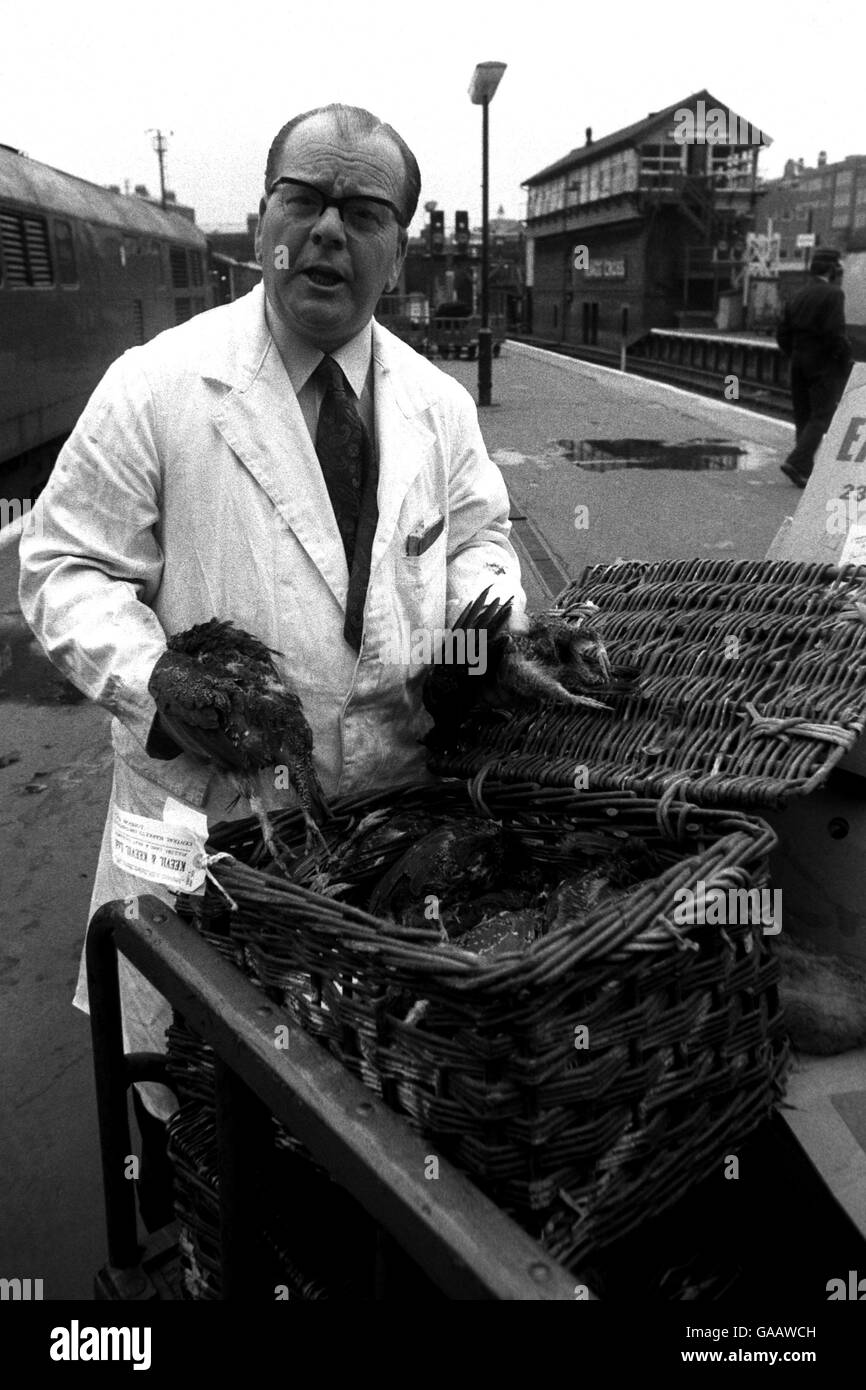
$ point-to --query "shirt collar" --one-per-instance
(354, 357)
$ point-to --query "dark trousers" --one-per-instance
(815, 394)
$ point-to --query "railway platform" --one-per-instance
(573, 442)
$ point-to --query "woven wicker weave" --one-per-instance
(685, 1051)
(192, 1147)
(753, 686)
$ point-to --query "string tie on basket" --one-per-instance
(207, 859)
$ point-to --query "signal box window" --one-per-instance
(64, 246)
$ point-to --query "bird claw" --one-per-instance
(314, 840)
(479, 613)
(588, 700)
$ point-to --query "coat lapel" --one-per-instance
(261, 421)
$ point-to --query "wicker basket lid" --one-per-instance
(753, 686)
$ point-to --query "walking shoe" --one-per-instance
(791, 472)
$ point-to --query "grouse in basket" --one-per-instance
(453, 862)
(220, 697)
(557, 657)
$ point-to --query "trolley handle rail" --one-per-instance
(465, 1244)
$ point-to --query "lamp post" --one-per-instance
(485, 80)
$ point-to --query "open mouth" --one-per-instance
(320, 275)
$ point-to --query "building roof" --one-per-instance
(26, 181)
(626, 137)
(809, 171)
(226, 229)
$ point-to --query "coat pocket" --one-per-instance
(420, 541)
(181, 777)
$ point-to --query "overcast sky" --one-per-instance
(81, 83)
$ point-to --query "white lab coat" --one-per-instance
(190, 488)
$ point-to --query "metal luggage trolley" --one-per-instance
(441, 1237)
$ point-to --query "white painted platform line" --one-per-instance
(651, 385)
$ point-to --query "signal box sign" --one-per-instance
(605, 270)
(598, 267)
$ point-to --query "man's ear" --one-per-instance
(399, 258)
(257, 246)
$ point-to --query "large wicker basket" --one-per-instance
(753, 686)
(578, 1135)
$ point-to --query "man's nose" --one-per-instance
(329, 226)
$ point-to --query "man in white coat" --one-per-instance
(191, 488)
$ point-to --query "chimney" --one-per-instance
(790, 169)
(822, 158)
(589, 134)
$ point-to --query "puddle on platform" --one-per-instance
(693, 455)
(26, 674)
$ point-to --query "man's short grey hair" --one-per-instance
(353, 122)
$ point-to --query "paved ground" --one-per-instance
(55, 787)
(541, 399)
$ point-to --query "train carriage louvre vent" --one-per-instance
(138, 320)
(38, 254)
(182, 310)
(179, 267)
(25, 249)
(12, 242)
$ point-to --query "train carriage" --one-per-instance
(84, 274)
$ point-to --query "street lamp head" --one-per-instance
(485, 80)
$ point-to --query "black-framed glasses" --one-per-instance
(361, 213)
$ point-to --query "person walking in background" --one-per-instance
(812, 333)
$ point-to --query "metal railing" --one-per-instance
(707, 359)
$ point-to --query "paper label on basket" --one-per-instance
(170, 854)
(854, 549)
(176, 813)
